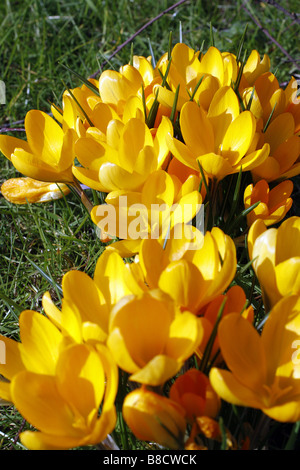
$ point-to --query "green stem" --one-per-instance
(82, 196)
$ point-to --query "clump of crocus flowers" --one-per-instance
(165, 323)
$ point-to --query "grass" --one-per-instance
(40, 243)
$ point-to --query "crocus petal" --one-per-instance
(196, 129)
(287, 154)
(13, 361)
(182, 152)
(254, 159)
(135, 136)
(51, 310)
(80, 373)
(75, 285)
(157, 371)
(288, 276)
(288, 230)
(44, 135)
(30, 165)
(238, 137)
(114, 278)
(27, 190)
(282, 328)
(286, 412)
(40, 342)
(37, 398)
(223, 109)
(160, 143)
(248, 364)
(280, 193)
(152, 250)
(279, 130)
(212, 63)
(34, 440)
(166, 97)
(183, 282)
(8, 144)
(215, 166)
(120, 353)
(185, 335)
(231, 390)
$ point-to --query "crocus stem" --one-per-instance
(83, 197)
(260, 433)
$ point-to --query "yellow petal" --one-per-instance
(182, 152)
(89, 153)
(37, 399)
(160, 142)
(253, 160)
(41, 342)
(135, 137)
(27, 190)
(13, 362)
(184, 283)
(215, 166)
(42, 441)
(212, 63)
(8, 144)
(231, 390)
(185, 336)
(51, 310)
(157, 371)
(288, 230)
(247, 363)
(280, 193)
(114, 278)
(30, 165)
(256, 229)
(288, 276)
(44, 135)
(279, 130)
(82, 293)
(80, 374)
(223, 109)
(115, 343)
(238, 137)
(281, 330)
(196, 129)
(167, 97)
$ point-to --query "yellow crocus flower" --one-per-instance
(189, 70)
(151, 354)
(37, 352)
(276, 258)
(263, 370)
(155, 418)
(191, 277)
(86, 303)
(129, 155)
(255, 66)
(23, 190)
(218, 140)
(269, 100)
(65, 407)
(48, 153)
(283, 160)
(273, 204)
(162, 203)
